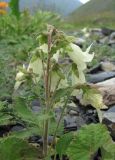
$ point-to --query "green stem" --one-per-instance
(61, 116)
(47, 96)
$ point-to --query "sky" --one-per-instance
(84, 1)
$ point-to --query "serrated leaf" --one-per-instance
(63, 143)
(87, 141)
(61, 93)
(5, 119)
(12, 148)
(108, 150)
(93, 97)
(1, 105)
(26, 133)
(24, 112)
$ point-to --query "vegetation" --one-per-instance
(47, 78)
(53, 71)
(95, 13)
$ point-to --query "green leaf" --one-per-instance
(87, 141)
(14, 5)
(24, 112)
(12, 148)
(63, 143)
(93, 96)
(5, 119)
(64, 92)
(108, 150)
(26, 133)
(1, 105)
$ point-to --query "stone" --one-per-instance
(107, 31)
(96, 32)
(80, 42)
(109, 120)
(97, 68)
(72, 123)
(17, 127)
(99, 77)
(112, 39)
(36, 106)
(107, 66)
(58, 113)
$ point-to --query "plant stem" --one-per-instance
(61, 116)
(47, 95)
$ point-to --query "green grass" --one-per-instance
(17, 39)
(96, 13)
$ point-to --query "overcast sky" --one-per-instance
(84, 1)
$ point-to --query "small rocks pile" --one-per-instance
(105, 36)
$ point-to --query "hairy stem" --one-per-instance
(59, 121)
(47, 95)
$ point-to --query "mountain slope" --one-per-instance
(62, 7)
(94, 10)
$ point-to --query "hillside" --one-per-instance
(96, 11)
(64, 7)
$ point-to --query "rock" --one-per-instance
(36, 106)
(39, 140)
(102, 66)
(112, 39)
(72, 123)
(97, 68)
(50, 140)
(107, 31)
(109, 120)
(103, 40)
(34, 139)
(80, 42)
(96, 32)
(107, 89)
(73, 112)
(58, 113)
(17, 127)
(107, 66)
(99, 77)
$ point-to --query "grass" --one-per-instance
(96, 13)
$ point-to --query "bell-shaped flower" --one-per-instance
(55, 56)
(36, 67)
(44, 48)
(79, 58)
(57, 81)
(78, 79)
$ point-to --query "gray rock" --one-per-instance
(58, 113)
(36, 106)
(104, 40)
(73, 122)
(96, 32)
(112, 39)
(17, 128)
(99, 77)
(107, 31)
(109, 120)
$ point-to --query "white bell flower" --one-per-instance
(44, 48)
(79, 58)
(37, 68)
